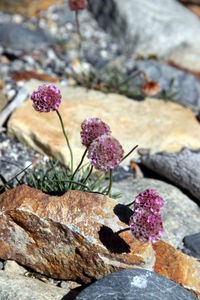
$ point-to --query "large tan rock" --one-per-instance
(74, 237)
(26, 8)
(154, 124)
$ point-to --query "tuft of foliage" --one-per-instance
(112, 80)
(55, 179)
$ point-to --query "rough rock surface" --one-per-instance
(27, 39)
(181, 168)
(150, 26)
(157, 125)
(75, 237)
(25, 7)
(135, 284)
(177, 212)
(19, 287)
(78, 227)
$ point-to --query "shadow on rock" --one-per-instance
(112, 241)
(123, 212)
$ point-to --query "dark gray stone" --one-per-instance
(176, 214)
(182, 168)
(192, 245)
(148, 26)
(135, 284)
(20, 38)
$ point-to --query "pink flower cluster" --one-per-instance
(146, 221)
(46, 98)
(91, 129)
(104, 151)
(77, 4)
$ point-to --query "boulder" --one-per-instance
(135, 284)
(147, 26)
(78, 237)
(181, 168)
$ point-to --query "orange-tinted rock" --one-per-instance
(26, 8)
(178, 267)
(69, 237)
(74, 237)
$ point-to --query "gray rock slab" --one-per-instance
(20, 38)
(18, 287)
(182, 168)
(135, 284)
(192, 245)
(175, 85)
(181, 216)
(148, 25)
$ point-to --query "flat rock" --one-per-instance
(157, 125)
(177, 212)
(18, 287)
(25, 7)
(148, 25)
(12, 267)
(182, 168)
(18, 37)
(192, 244)
(74, 237)
(135, 284)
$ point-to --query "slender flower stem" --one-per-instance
(79, 32)
(129, 204)
(110, 184)
(129, 153)
(66, 138)
(79, 165)
(90, 172)
(122, 230)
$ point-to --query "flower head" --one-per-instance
(150, 88)
(149, 200)
(105, 153)
(46, 98)
(91, 129)
(146, 226)
(77, 4)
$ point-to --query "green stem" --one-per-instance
(129, 153)
(90, 172)
(110, 184)
(79, 165)
(79, 32)
(66, 138)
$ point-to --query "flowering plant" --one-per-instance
(102, 149)
(104, 153)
